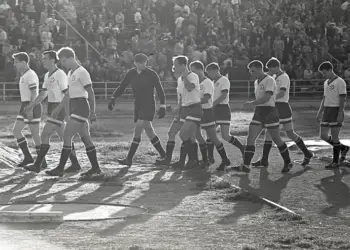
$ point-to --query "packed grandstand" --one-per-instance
(299, 33)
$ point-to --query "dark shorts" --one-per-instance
(193, 113)
(265, 116)
(222, 114)
(330, 116)
(208, 119)
(181, 118)
(61, 116)
(284, 112)
(37, 112)
(79, 109)
(144, 112)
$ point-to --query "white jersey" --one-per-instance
(27, 82)
(179, 89)
(56, 84)
(267, 84)
(207, 87)
(194, 96)
(223, 83)
(283, 82)
(78, 80)
(333, 89)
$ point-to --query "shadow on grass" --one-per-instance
(246, 202)
(162, 196)
(336, 191)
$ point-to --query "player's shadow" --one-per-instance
(163, 196)
(336, 191)
(268, 189)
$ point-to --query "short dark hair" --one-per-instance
(273, 62)
(51, 54)
(325, 66)
(21, 56)
(140, 58)
(212, 66)
(198, 65)
(182, 60)
(66, 52)
(256, 64)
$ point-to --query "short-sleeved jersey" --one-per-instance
(333, 89)
(207, 87)
(179, 89)
(223, 83)
(78, 80)
(27, 82)
(194, 96)
(56, 84)
(283, 82)
(267, 84)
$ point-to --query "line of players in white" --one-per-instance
(271, 108)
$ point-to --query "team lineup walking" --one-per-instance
(203, 97)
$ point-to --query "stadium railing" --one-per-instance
(240, 89)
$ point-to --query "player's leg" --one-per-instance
(134, 145)
(298, 141)
(34, 127)
(264, 160)
(212, 135)
(75, 165)
(170, 146)
(73, 127)
(254, 131)
(222, 115)
(329, 123)
(225, 133)
(203, 148)
(48, 130)
(187, 135)
(90, 150)
(148, 127)
(21, 140)
(188, 132)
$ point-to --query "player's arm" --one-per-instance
(160, 90)
(123, 85)
(207, 94)
(85, 80)
(62, 104)
(33, 90)
(225, 88)
(189, 82)
(342, 99)
(283, 89)
(320, 110)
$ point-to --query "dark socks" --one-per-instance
(73, 156)
(235, 142)
(300, 143)
(284, 153)
(183, 153)
(248, 154)
(42, 152)
(170, 149)
(266, 150)
(92, 155)
(336, 151)
(156, 144)
(64, 157)
(222, 152)
(134, 145)
(210, 147)
(204, 152)
(22, 144)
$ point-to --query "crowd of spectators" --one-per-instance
(231, 32)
